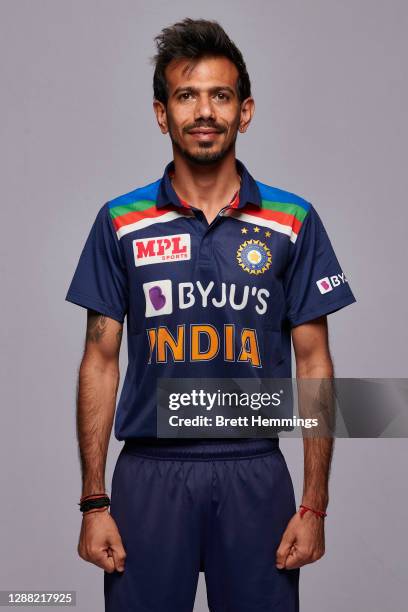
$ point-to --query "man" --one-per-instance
(216, 273)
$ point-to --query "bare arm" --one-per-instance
(99, 541)
(303, 540)
(98, 383)
(313, 360)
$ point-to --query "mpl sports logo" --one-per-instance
(162, 249)
(328, 283)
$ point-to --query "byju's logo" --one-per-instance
(324, 285)
(158, 298)
(162, 249)
(328, 283)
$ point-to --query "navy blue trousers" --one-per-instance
(217, 506)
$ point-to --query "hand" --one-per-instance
(100, 542)
(302, 541)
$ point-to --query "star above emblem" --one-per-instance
(256, 229)
(267, 234)
(244, 230)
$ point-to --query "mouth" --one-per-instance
(203, 130)
(203, 133)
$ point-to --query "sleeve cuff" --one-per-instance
(87, 301)
(304, 317)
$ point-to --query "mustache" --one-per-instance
(213, 126)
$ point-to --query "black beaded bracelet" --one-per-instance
(90, 504)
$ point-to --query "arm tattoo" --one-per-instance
(96, 326)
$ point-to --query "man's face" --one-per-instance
(203, 112)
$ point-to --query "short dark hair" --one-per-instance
(194, 39)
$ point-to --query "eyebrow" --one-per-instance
(195, 90)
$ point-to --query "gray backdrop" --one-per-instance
(329, 80)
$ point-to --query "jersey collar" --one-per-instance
(248, 193)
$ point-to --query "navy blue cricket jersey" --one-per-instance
(205, 300)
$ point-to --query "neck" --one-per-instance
(206, 187)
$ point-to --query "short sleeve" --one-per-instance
(100, 278)
(314, 283)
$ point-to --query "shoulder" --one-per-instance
(132, 207)
(145, 194)
(276, 195)
(287, 210)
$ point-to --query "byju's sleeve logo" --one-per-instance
(328, 283)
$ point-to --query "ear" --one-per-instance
(161, 115)
(247, 112)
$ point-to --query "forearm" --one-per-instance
(316, 400)
(98, 383)
(317, 459)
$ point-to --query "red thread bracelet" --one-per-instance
(304, 509)
(93, 495)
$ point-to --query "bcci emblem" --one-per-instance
(254, 256)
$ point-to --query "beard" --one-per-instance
(204, 156)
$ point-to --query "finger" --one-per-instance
(283, 551)
(104, 561)
(108, 565)
(119, 556)
(294, 560)
(298, 559)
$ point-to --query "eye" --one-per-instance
(222, 95)
(185, 95)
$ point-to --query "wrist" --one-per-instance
(94, 489)
(96, 511)
(96, 501)
(320, 514)
(94, 495)
(319, 502)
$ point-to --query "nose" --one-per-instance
(204, 108)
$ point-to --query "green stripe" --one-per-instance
(139, 205)
(291, 209)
